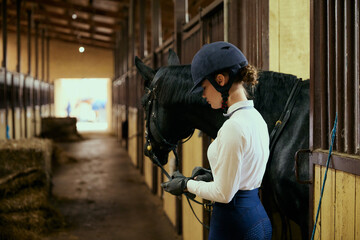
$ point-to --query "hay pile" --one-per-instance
(25, 187)
(60, 129)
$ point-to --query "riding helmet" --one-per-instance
(211, 59)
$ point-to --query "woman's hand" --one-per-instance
(202, 174)
(177, 184)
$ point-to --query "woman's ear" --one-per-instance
(221, 79)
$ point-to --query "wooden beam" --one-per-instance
(40, 16)
(78, 8)
(57, 35)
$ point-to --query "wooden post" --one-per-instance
(48, 73)
(156, 41)
(131, 34)
(156, 35)
(142, 53)
(181, 17)
(42, 68)
(143, 39)
(4, 61)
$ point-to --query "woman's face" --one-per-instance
(212, 96)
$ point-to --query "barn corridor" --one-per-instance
(103, 196)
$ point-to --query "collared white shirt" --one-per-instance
(238, 155)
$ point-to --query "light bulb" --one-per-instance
(81, 49)
(74, 16)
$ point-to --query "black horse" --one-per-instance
(176, 113)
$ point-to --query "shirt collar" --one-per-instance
(239, 105)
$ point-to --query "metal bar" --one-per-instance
(142, 28)
(27, 90)
(234, 20)
(180, 14)
(36, 90)
(322, 77)
(350, 87)
(340, 66)
(42, 69)
(36, 50)
(48, 73)
(331, 69)
(18, 40)
(13, 106)
(357, 83)
(4, 61)
(29, 40)
(155, 24)
(18, 62)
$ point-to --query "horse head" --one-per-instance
(165, 94)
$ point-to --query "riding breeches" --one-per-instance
(244, 217)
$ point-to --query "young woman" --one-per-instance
(239, 154)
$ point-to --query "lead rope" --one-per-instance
(323, 185)
(207, 206)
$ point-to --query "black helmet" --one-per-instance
(213, 58)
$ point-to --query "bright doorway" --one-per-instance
(87, 99)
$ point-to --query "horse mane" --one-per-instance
(280, 84)
(172, 86)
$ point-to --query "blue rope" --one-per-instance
(7, 132)
(327, 167)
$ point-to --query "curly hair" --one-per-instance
(248, 75)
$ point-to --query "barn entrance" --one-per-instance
(86, 99)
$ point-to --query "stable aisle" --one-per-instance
(103, 196)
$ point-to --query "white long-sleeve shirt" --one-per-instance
(237, 156)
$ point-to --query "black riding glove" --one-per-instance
(177, 184)
(202, 174)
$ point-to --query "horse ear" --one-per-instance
(173, 58)
(146, 72)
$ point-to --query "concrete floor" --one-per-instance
(103, 196)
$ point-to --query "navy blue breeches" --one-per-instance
(244, 217)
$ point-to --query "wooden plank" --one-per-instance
(345, 206)
(328, 205)
(357, 207)
(192, 156)
(317, 186)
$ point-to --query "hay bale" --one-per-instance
(40, 221)
(14, 233)
(13, 183)
(26, 200)
(19, 155)
(60, 129)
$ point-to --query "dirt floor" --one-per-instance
(103, 196)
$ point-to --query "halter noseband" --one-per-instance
(151, 114)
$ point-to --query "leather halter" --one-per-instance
(151, 111)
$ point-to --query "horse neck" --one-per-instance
(204, 118)
(271, 95)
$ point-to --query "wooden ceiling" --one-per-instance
(90, 22)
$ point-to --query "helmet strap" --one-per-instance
(224, 90)
(224, 103)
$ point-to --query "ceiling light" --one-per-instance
(81, 49)
(74, 16)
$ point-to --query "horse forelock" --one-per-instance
(172, 85)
